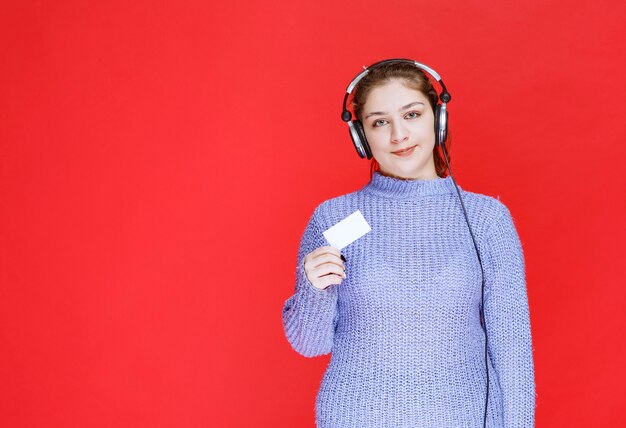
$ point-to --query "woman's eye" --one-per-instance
(378, 123)
(412, 114)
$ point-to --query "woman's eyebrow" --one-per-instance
(380, 113)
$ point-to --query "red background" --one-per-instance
(159, 161)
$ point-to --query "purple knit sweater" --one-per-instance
(404, 328)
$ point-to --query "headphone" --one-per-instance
(357, 133)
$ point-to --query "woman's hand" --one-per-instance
(324, 267)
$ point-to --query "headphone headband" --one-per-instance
(419, 65)
(444, 97)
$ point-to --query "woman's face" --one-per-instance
(396, 117)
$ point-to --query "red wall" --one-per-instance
(159, 161)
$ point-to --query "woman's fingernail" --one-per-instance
(343, 258)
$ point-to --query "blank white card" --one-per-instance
(347, 230)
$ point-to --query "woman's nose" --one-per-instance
(398, 134)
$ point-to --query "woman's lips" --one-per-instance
(405, 152)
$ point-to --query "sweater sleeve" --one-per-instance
(309, 316)
(508, 321)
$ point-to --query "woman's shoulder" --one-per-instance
(484, 205)
(485, 211)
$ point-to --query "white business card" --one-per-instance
(347, 230)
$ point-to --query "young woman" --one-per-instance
(403, 314)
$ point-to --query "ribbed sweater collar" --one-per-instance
(396, 188)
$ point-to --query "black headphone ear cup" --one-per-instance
(356, 138)
(441, 125)
(361, 132)
(437, 134)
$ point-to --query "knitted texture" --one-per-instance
(404, 327)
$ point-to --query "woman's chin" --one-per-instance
(401, 173)
(405, 171)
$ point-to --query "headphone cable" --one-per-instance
(482, 293)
